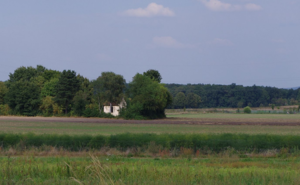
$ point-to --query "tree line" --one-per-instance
(40, 91)
(33, 91)
(234, 96)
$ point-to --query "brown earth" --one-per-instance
(191, 121)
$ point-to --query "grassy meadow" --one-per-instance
(154, 163)
(108, 129)
(120, 170)
(17, 126)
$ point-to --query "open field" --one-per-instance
(283, 124)
(152, 164)
(120, 170)
(205, 110)
(239, 117)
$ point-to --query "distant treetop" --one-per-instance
(154, 75)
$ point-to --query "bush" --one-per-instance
(4, 110)
(132, 112)
(247, 110)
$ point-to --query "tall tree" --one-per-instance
(193, 100)
(153, 74)
(66, 88)
(24, 98)
(180, 100)
(83, 97)
(109, 87)
(48, 88)
(3, 91)
(149, 98)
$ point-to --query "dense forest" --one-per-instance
(235, 96)
(39, 91)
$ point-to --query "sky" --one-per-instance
(245, 42)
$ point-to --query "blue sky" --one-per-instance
(194, 41)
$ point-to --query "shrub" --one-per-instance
(273, 106)
(4, 110)
(247, 110)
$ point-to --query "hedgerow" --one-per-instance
(213, 142)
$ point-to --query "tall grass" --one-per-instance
(214, 142)
(31, 170)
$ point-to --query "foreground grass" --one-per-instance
(108, 129)
(119, 170)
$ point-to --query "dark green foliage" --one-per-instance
(48, 88)
(132, 111)
(235, 96)
(113, 87)
(148, 98)
(213, 142)
(108, 88)
(66, 88)
(193, 100)
(24, 98)
(88, 112)
(247, 110)
(3, 91)
(153, 74)
(179, 100)
(83, 97)
(22, 73)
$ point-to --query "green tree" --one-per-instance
(109, 87)
(49, 88)
(98, 90)
(3, 91)
(83, 97)
(22, 73)
(47, 105)
(49, 74)
(148, 98)
(240, 104)
(153, 74)
(24, 97)
(66, 88)
(180, 100)
(39, 80)
(193, 100)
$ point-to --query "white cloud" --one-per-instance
(221, 42)
(217, 5)
(151, 10)
(252, 7)
(168, 42)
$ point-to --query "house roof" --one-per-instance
(108, 104)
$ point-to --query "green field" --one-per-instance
(119, 170)
(152, 165)
(108, 129)
(235, 116)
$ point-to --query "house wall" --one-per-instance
(115, 111)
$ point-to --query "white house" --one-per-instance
(114, 108)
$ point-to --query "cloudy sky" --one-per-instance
(193, 41)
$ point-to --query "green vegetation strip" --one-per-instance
(214, 142)
(115, 170)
